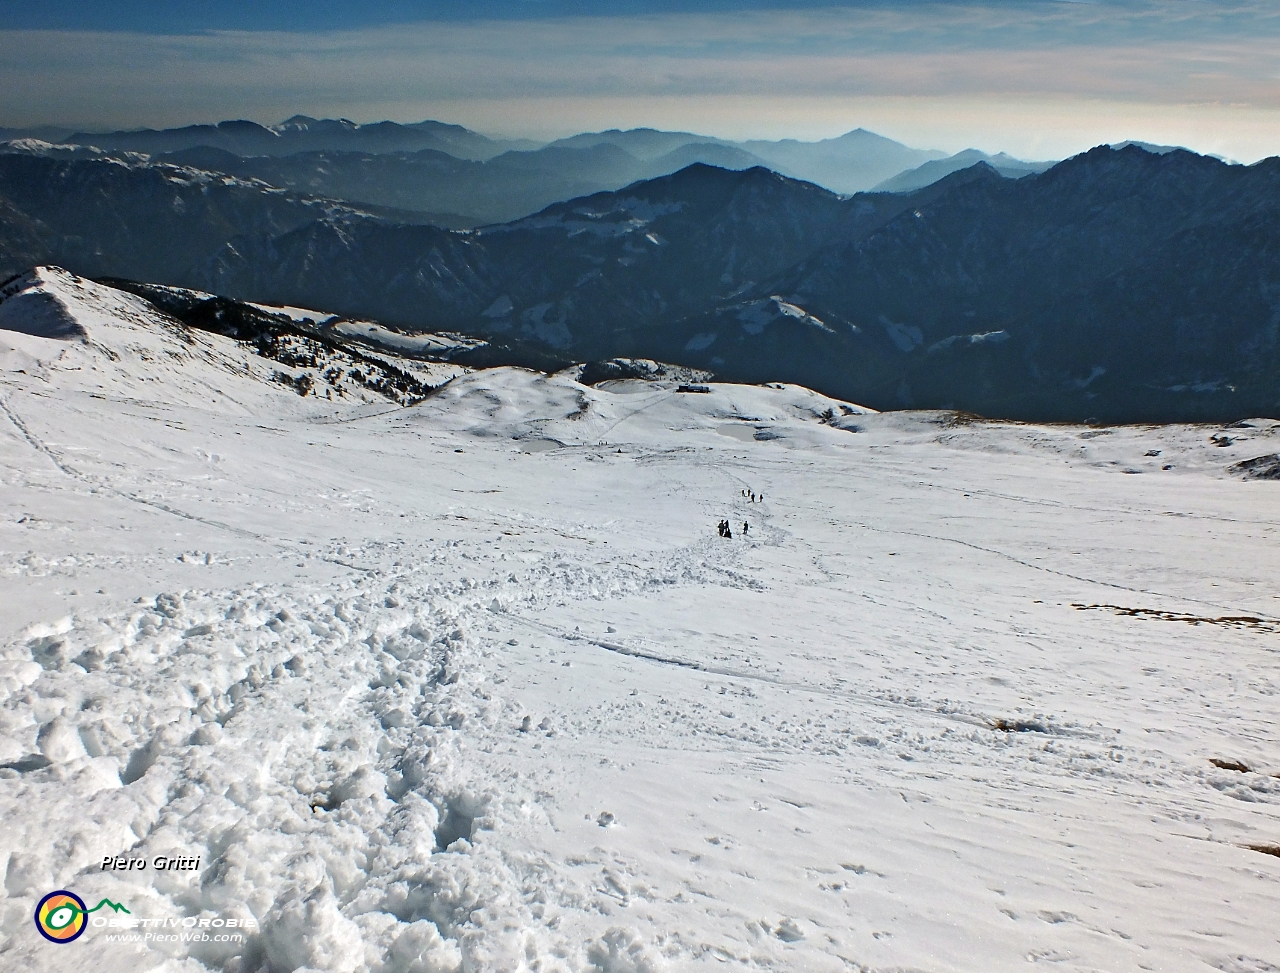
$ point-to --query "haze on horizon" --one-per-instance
(1037, 78)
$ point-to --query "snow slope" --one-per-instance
(475, 685)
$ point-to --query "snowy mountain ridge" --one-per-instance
(60, 326)
(109, 342)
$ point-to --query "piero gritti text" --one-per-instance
(161, 863)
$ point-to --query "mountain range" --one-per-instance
(850, 163)
(930, 172)
(452, 177)
(1121, 285)
(127, 218)
(853, 162)
(456, 193)
(304, 134)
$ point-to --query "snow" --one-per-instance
(758, 315)
(298, 315)
(422, 343)
(474, 685)
(371, 333)
(904, 336)
(500, 308)
(986, 337)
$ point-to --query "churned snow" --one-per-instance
(476, 685)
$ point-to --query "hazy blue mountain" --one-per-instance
(458, 192)
(303, 134)
(434, 184)
(1151, 147)
(707, 153)
(932, 171)
(45, 133)
(428, 186)
(641, 143)
(311, 134)
(851, 163)
(526, 178)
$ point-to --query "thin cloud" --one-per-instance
(1216, 56)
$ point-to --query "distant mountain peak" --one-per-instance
(242, 125)
(935, 170)
(302, 133)
(697, 175)
(1150, 147)
(1134, 157)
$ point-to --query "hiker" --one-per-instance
(744, 528)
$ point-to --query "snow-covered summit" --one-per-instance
(77, 335)
(40, 147)
(50, 302)
(80, 336)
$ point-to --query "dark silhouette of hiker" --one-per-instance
(744, 528)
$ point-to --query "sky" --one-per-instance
(1038, 78)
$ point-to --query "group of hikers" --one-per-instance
(726, 531)
(723, 527)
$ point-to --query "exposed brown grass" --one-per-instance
(1265, 849)
(1251, 622)
(1235, 765)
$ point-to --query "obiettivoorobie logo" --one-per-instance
(61, 916)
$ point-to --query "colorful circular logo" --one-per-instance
(60, 916)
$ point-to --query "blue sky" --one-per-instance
(181, 16)
(1039, 78)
